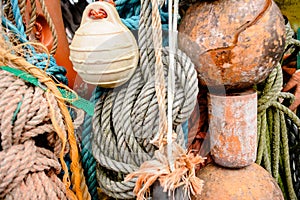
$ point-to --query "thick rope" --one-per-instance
(78, 179)
(24, 121)
(126, 119)
(273, 149)
(22, 5)
(88, 160)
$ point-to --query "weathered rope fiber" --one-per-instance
(88, 161)
(27, 170)
(65, 134)
(126, 119)
(273, 148)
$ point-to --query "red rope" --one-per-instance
(100, 14)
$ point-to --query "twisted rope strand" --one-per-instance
(51, 26)
(272, 133)
(126, 119)
(33, 16)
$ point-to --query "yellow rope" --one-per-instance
(76, 169)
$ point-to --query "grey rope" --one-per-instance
(126, 118)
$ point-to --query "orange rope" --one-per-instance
(76, 169)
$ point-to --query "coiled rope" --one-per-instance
(88, 161)
(58, 73)
(273, 149)
(27, 169)
(129, 11)
(126, 119)
(273, 134)
(66, 134)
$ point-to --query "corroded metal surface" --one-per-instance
(233, 128)
(248, 183)
(233, 43)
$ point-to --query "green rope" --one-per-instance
(286, 157)
(273, 148)
(275, 124)
(69, 96)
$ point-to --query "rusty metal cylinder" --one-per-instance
(233, 128)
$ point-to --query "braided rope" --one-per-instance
(22, 5)
(41, 60)
(51, 26)
(160, 87)
(126, 119)
(78, 179)
(17, 15)
(7, 11)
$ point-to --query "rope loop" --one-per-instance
(126, 118)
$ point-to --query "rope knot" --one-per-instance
(48, 63)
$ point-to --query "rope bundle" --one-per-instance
(126, 119)
(64, 139)
(273, 149)
(30, 146)
(14, 13)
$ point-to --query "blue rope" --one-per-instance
(129, 11)
(88, 161)
(40, 60)
(17, 16)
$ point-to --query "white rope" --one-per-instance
(171, 76)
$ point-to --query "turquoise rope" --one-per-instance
(17, 16)
(88, 161)
(40, 60)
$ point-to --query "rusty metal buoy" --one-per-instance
(248, 183)
(233, 43)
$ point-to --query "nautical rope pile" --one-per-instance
(28, 170)
(272, 132)
(42, 117)
(13, 22)
(88, 160)
(126, 118)
(14, 14)
(15, 29)
(273, 147)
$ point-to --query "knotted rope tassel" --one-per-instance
(126, 119)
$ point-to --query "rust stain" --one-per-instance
(231, 42)
(238, 184)
(233, 128)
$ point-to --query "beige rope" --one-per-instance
(25, 168)
(159, 75)
(51, 26)
(78, 179)
(22, 5)
(33, 16)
